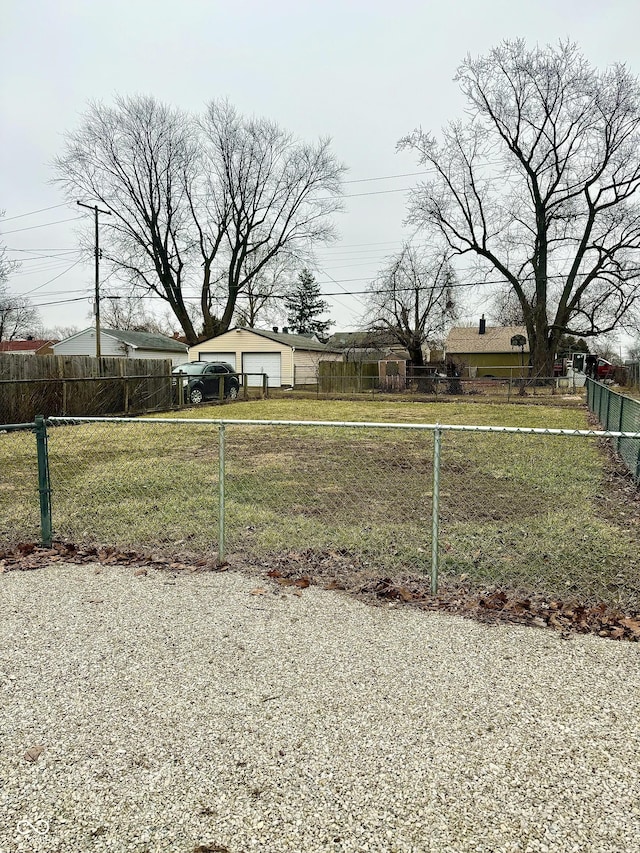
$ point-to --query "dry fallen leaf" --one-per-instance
(139, 572)
(258, 591)
(632, 625)
(33, 753)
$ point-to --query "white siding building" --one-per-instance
(123, 344)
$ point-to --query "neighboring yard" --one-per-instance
(540, 513)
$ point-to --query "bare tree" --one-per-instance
(19, 318)
(200, 206)
(507, 308)
(59, 333)
(412, 299)
(265, 194)
(261, 297)
(130, 313)
(539, 186)
(134, 158)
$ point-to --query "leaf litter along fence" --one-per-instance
(519, 508)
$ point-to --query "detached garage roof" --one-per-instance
(293, 341)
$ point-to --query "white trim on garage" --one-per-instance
(263, 362)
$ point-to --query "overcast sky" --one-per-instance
(364, 72)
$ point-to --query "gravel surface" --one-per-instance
(183, 713)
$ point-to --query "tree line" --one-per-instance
(534, 195)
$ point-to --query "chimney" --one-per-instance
(483, 326)
(285, 330)
(275, 328)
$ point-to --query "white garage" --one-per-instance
(263, 362)
(285, 358)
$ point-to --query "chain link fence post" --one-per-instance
(221, 484)
(44, 486)
(435, 509)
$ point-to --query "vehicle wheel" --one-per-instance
(233, 392)
(196, 395)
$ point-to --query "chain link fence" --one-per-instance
(619, 413)
(525, 509)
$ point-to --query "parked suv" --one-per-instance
(201, 380)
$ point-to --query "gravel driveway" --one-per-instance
(183, 713)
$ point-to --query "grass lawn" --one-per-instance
(527, 511)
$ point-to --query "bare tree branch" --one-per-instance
(412, 300)
(541, 186)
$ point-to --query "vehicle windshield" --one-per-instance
(189, 368)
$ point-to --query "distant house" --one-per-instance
(487, 350)
(286, 359)
(29, 346)
(368, 346)
(123, 344)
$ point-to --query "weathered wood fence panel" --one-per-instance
(347, 376)
(81, 385)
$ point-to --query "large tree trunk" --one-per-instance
(542, 349)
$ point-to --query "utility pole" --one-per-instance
(96, 211)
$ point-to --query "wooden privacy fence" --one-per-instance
(81, 386)
(347, 376)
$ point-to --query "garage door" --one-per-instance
(262, 362)
(229, 357)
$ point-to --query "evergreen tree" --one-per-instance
(304, 306)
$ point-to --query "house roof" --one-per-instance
(296, 341)
(467, 339)
(24, 346)
(138, 340)
(363, 340)
(146, 340)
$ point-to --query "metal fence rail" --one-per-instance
(620, 413)
(505, 505)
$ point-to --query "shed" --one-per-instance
(487, 350)
(123, 344)
(287, 359)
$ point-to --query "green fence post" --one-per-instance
(221, 508)
(435, 510)
(44, 486)
(620, 422)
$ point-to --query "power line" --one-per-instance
(39, 249)
(389, 177)
(64, 272)
(32, 212)
(44, 225)
(376, 192)
(53, 258)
